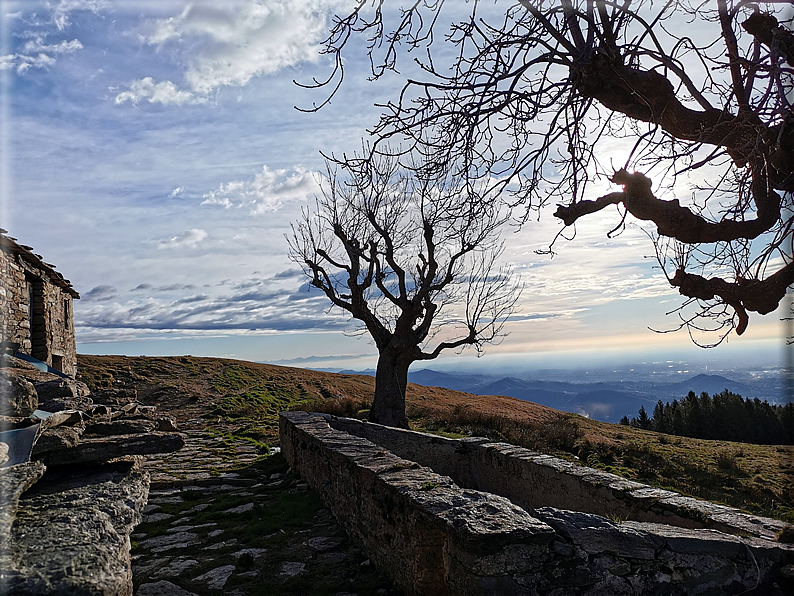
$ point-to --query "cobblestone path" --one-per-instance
(222, 519)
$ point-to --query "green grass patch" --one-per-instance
(254, 397)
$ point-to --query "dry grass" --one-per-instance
(245, 397)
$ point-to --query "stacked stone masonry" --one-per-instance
(72, 485)
(36, 307)
(491, 518)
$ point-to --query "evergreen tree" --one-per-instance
(657, 422)
(726, 416)
(643, 421)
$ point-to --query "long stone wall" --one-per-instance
(439, 535)
(534, 480)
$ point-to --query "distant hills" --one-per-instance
(712, 384)
(606, 401)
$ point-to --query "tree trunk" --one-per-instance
(391, 378)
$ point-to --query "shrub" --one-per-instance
(726, 460)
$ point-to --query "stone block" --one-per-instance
(121, 427)
(71, 534)
(61, 388)
(18, 396)
(55, 439)
(103, 449)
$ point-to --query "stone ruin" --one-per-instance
(36, 315)
(471, 516)
(72, 486)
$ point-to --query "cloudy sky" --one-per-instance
(152, 151)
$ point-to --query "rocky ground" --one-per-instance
(224, 519)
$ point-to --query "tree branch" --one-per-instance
(761, 296)
(673, 220)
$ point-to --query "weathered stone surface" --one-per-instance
(129, 409)
(63, 418)
(170, 540)
(292, 568)
(412, 521)
(99, 412)
(56, 439)
(18, 396)
(216, 578)
(320, 544)
(534, 480)
(162, 588)
(156, 517)
(60, 389)
(14, 480)
(176, 567)
(9, 361)
(468, 542)
(3, 453)
(258, 553)
(104, 449)
(597, 535)
(166, 423)
(241, 509)
(56, 404)
(72, 529)
(113, 396)
(121, 427)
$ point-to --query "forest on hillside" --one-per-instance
(724, 416)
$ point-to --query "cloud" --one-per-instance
(227, 44)
(22, 62)
(36, 52)
(65, 47)
(164, 93)
(288, 274)
(266, 191)
(100, 293)
(174, 288)
(177, 191)
(189, 239)
(268, 310)
(168, 288)
(62, 11)
(192, 299)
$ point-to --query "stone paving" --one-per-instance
(223, 519)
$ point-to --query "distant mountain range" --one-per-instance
(710, 384)
(608, 401)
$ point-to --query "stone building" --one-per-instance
(36, 316)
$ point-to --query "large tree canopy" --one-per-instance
(534, 99)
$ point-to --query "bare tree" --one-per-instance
(413, 257)
(693, 89)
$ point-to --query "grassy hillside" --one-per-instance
(244, 398)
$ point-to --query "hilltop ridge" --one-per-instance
(244, 398)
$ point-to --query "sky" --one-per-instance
(152, 151)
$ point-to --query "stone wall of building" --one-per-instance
(36, 307)
(430, 535)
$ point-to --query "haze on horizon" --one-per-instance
(152, 152)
